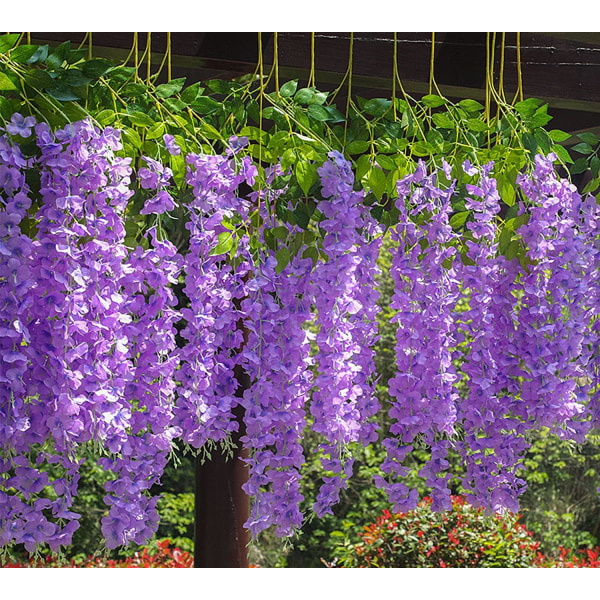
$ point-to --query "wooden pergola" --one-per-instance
(562, 69)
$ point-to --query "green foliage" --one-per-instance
(561, 504)
(385, 137)
(464, 537)
(177, 520)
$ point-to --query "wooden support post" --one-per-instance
(221, 507)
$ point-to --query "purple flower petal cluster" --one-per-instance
(276, 358)
(213, 334)
(343, 400)
(493, 445)
(426, 291)
(487, 348)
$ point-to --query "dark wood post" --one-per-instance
(221, 507)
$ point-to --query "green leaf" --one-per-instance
(386, 162)
(579, 166)
(133, 137)
(7, 41)
(591, 186)
(335, 116)
(40, 55)
(222, 87)
(541, 117)
(58, 56)
(530, 142)
(443, 121)
(595, 166)
(192, 92)
(311, 252)
(6, 111)
(433, 101)
(582, 148)
(174, 105)
(283, 259)
(22, 54)
(288, 89)
(363, 166)
(73, 78)
(557, 135)
(39, 79)
(317, 112)
(281, 232)
(589, 138)
(210, 132)
(301, 215)
(305, 174)
(96, 67)
(377, 182)
(224, 244)
(288, 159)
(140, 119)
(562, 153)
(471, 106)
(506, 190)
(6, 84)
(133, 90)
(543, 140)
(458, 219)
(377, 107)
(476, 125)
(74, 56)
(319, 98)
(505, 239)
(357, 147)
(106, 117)
(304, 95)
(155, 131)
(422, 148)
(513, 249)
(62, 92)
(527, 108)
(204, 105)
(166, 90)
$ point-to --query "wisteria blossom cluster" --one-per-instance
(130, 348)
(526, 343)
(343, 400)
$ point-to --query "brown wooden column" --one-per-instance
(221, 507)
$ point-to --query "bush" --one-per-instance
(571, 559)
(463, 537)
(155, 556)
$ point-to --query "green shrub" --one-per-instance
(463, 537)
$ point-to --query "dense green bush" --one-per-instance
(463, 537)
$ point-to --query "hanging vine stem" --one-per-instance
(166, 56)
(276, 62)
(311, 77)
(135, 56)
(260, 119)
(431, 62)
(348, 100)
(337, 90)
(407, 98)
(149, 56)
(491, 90)
(169, 53)
(519, 92)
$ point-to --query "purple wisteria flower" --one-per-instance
(171, 145)
(161, 203)
(20, 125)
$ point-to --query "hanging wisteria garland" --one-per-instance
(89, 351)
